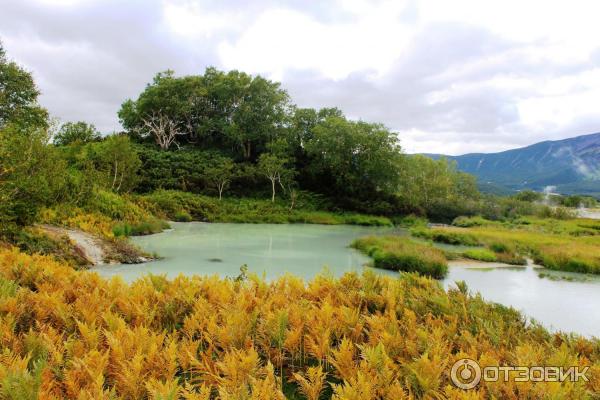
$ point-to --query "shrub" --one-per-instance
(182, 216)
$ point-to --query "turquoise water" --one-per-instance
(197, 248)
(560, 301)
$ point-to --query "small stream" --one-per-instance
(558, 300)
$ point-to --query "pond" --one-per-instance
(560, 301)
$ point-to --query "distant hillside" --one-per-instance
(572, 165)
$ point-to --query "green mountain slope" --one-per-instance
(572, 165)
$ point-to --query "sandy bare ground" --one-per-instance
(593, 213)
(91, 247)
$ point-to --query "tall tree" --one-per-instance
(72, 132)
(354, 158)
(18, 96)
(168, 99)
(233, 112)
(31, 173)
(30, 170)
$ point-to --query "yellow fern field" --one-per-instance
(71, 334)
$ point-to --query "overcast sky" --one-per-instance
(449, 76)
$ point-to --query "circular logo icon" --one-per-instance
(465, 373)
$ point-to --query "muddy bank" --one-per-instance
(96, 250)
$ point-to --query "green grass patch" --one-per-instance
(442, 235)
(561, 244)
(399, 253)
(480, 255)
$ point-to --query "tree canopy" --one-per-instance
(225, 133)
(18, 95)
(72, 132)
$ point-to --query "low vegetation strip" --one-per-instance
(568, 245)
(72, 334)
(399, 253)
(182, 206)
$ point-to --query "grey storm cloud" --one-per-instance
(456, 86)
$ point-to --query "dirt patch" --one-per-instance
(96, 250)
(90, 247)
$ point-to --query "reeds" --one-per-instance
(399, 253)
(567, 245)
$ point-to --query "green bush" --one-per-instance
(498, 247)
(182, 216)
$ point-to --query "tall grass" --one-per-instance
(402, 254)
(568, 245)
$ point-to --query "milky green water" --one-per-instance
(197, 248)
(560, 301)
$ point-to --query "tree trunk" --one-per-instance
(114, 182)
(247, 150)
(273, 188)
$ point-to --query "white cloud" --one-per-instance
(283, 39)
(189, 19)
(449, 76)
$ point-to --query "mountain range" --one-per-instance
(570, 166)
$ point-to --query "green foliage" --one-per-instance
(171, 204)
(273, 167)
(219, 174)
(447, 236)
(569, 245)
(556, 213)
(529, 196)
(402, 254)
(18, 97)
(467, 222)
(231, 110)
(172, 170)
(31, 175)
(133, 219)
(576, 201)
(356, 157)
(481, 255)
(116, 162)
(182, 216)
(436, 188)
(76, 132)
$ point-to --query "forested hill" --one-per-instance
(572, 165)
